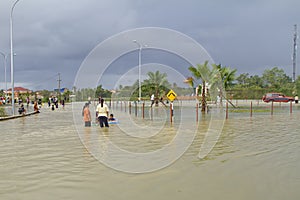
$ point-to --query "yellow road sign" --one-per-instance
(171, 95)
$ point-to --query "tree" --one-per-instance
(275, 78)
(45, 94)
(226, 78)
(255, 81)
(157, 83)
(243, 79)
(133, 91)
(218, 78)
(203, 73)
(297, 85)
(66, 95)
(100, 92)
(227, 75)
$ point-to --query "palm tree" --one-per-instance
(157, 83)
(226, 76)
(204, 73)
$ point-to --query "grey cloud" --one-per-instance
(53, 36)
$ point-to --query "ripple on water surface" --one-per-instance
(43, 156)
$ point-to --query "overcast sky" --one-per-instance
(55, 36)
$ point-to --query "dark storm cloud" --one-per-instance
(54, 36)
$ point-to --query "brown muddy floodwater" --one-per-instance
(52, 156)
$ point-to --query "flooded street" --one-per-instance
(52, 156)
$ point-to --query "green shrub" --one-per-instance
(2, 112)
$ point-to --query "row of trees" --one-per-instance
(157, 84)
(215, 81)
(207, 80)
(272, 80)
(223, 80)
(85, 93)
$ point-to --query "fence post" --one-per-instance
(272, 108)
(197, 108)
(251, 109)
(151, 113)
(171, 112)
(226, 109)
(143, 110)
(129, 108)
(291, 107)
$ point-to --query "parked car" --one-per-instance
(276, 97)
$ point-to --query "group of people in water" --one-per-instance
(37, 104)
(102, 114)
(22, 109)
(53, 103)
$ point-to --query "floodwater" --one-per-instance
(52, 156)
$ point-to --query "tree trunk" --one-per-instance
(221, 98)
(156, 96)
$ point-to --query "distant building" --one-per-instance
(19, 90)
(62, 90)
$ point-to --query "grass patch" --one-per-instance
(2, 112)
(244, 110)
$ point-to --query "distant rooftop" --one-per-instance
(19, 89)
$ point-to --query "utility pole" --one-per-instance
(12, 60)
(295, 52)
(59, 80)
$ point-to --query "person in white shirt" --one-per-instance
(152, 98)
(102, 110)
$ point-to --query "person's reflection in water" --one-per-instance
(87, 140)
(103, 142)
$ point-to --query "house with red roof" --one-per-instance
(19, 90)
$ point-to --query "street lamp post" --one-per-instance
(140, 63)
(12, 58)
(5, 61)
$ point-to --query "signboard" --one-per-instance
(171, 95)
